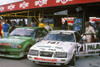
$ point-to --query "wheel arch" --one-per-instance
(27, 44)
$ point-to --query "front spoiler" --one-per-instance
(59, 62)
(13, 56)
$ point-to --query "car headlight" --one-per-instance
(16, 46)
(33, 52)
(19, 46)
(60, 55)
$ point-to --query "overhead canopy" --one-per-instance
(3, 2)
(30, 4)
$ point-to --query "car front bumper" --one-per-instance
(49, 60)
(11, 53)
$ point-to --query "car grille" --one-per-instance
(6, 53)
(46, 54)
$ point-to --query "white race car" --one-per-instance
(60, 47)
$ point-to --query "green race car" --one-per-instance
(17, 44)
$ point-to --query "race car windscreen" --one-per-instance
(22, 32)
(60, 37)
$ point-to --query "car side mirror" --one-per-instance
(84, 38)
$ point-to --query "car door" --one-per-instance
(93, 48)
(80, 45)
(88, 49)
(44, 32)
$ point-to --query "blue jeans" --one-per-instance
(5, 34)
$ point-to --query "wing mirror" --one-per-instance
(83, 38)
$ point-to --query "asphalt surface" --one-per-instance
(93, 61)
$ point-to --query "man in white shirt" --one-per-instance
(48, 27)
(89, 31)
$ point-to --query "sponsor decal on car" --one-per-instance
(6, 44)
(93, 47)
(42, 59)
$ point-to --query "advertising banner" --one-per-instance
(77, 26)
(70, 20)
(29, 4)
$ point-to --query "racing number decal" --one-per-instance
(88, 49)
(80, 47)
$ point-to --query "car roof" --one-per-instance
(30, 27)
(70, 31)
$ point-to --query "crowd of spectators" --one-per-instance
(7, 26)
(92, 32)
(14, 23)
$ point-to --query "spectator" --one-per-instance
(13, 23)
(19, 23)
(48, 27)
(5, 27)
(34, 24)
(9, 22)
(31, 24)
(97, 29)
(64, 25)
(1, 20)
(23, 23)
(89, 31)
(41, 24)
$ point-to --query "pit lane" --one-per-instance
(93, 61)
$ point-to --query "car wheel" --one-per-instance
(27, 50)
(72, 62)
(99, 54)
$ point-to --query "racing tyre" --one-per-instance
(99, 54)
(72, 62)
(27, 50)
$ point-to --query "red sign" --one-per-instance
(42, 59)
(96, 20)
(69, 20)
(29, 4)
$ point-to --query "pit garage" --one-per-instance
(56, 11)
